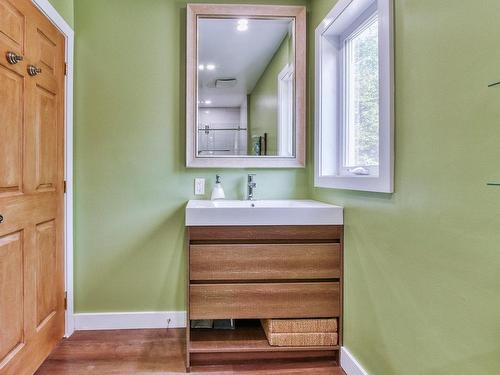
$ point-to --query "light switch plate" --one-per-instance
(199, 186)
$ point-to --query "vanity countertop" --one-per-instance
(262, 212)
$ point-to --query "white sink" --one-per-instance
(262, 212)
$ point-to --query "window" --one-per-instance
(354, 105)
(360, 94)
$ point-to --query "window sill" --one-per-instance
(376, 184)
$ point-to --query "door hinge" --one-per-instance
(64, 186)
(65, 300)
(65, 69)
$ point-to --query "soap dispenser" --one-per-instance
(218, 191)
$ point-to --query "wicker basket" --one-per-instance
(301, 332)
(300, 325)
(302, 339)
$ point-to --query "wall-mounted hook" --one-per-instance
(494, 84)
(493, 184)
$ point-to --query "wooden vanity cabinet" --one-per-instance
(256, 272)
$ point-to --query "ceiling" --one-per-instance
(243, 55)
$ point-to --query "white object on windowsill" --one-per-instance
(360, 171)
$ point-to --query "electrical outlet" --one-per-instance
(199, 186)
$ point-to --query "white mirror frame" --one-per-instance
(298, 13)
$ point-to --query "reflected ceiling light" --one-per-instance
(210, 66)
(201, 67)
(242, 25)
(208, 102)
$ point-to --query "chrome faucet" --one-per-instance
(252, 185)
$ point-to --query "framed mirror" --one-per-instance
(245, 86)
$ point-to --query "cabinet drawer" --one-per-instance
(264, 261)
(325, 233)
(264, 300)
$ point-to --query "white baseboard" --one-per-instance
(350, 364)
(129, 320)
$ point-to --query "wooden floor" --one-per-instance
(150, 351)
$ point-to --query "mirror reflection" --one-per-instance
(246, 86)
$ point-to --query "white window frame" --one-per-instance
(285, 111)
(341, 21)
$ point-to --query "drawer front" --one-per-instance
(224, 234)
(264, 261)
(264, 300)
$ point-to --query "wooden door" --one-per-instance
(31, 188)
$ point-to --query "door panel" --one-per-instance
(46, 261)
(11, 292)
(11, 131)
(43, 46)
(47, 53)
(45, 139)
(12, 29)
(31, 189)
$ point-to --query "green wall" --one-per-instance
(422, 280)
(263, 100)
(130, 179)
(422, 291)
(65, 9)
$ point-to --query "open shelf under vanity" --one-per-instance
(248, 336)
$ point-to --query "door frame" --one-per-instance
(56, 19)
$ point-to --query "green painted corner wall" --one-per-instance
(66, 9)
(422, 265)
(421, 292)
(131, 185)
(263, 100)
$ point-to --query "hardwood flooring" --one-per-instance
(151, 352)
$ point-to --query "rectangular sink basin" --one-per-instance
(262, 212)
